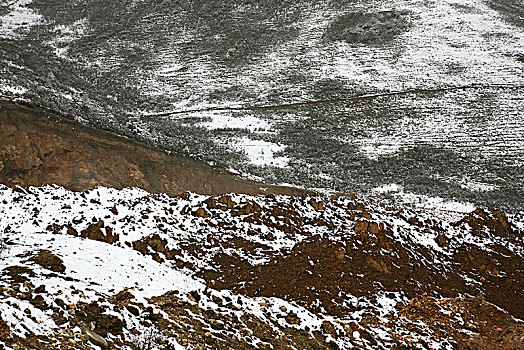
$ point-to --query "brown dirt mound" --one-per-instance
(490, 327)
(324, 270)
(5, 331)
(49, 261)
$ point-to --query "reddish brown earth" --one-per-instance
(49, 261)
(38, 147)
(361, 263)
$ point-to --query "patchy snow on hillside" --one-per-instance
(226, 121)
(18, 19)
(261, 153)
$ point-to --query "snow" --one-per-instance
(226, 121)
(99, 269)
(103, 269)
(388, 188)
(64, 35)
(374, 148)
(19, 18)
(476, 186)
(96, 269)
(428, 202)
(14, 90)
(445, 34)
(387, 303)
(423, 201)
(261, 153)
(13, 312)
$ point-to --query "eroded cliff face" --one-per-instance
(38, 147)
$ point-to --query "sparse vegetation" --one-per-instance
(126, 61)
(368, 28)
(147, 340)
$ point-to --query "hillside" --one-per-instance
(346, 95)
(262, 174)
(39, 147)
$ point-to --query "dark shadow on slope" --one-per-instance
(512, 10)
(374, 28)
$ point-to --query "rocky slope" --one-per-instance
(415, 101)
(142, 271)
(39, 147)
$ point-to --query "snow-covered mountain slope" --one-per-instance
(268, 272)
(345, 95)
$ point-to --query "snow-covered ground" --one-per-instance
(96, 271)
(18, 18)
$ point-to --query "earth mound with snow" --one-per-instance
(126, 269)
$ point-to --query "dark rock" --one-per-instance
(94, 232)
(442, 241)
(201, 213)
(49, 261)
(493, 220)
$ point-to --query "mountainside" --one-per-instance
(262, 174)
(347, 95)
(268, 272)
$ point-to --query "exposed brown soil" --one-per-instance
(491, 328)
(18, 273)
(320, 273)
(371, 260)
(38, 147)
(468, 296)
(49, 261)
(4, 330)
(328, 271)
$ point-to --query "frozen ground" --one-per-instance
(184, 249)
(343, 95)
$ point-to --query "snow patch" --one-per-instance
(423, 201)
(14, 90)
(67, 34)
(261, 153)
(19, 18)
(226, 121)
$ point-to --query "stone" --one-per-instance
(227, 201)
(49, 261)
(442, 241)
(202, 213)
(317, 205)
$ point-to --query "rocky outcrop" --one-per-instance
(38, 147)
(5, 331)
(49, 261)
(491, 220)
(266, 272)
(94, 232)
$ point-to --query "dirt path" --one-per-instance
(362, 97)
